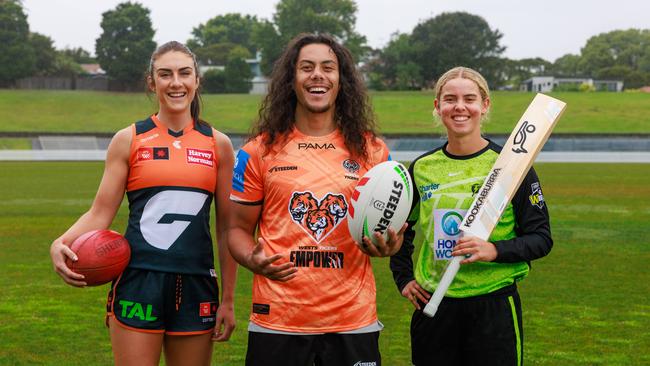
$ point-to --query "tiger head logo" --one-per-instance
(317, 217)
(336, 206)
(318, 221)
(301, 203)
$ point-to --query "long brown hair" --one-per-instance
(353, 114)
(174, 46)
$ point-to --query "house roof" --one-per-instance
(92, 69)
(572, 78)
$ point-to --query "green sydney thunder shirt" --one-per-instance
(445, 186)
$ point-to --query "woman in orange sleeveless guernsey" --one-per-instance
(171, 165)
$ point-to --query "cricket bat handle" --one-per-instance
(431, 307)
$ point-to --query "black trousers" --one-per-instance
(480, 330)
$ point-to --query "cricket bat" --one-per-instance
(509, 170)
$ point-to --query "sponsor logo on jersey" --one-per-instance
(351, 166)
(317, 259)
(318, 218)
(149, 137)
(145, 153)
(177, 144)
(521, 136)
(240, 169)
(536, 198)
(317, 146)
(207, 308)
(426, 191)
(152, 153)
(446, 232)
(200, 157)
(132, 309)
(160, 153)
(451, 223)
(365, 363)
(264, 309)
(282, 168)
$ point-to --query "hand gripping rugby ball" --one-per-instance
(381, 199)
(102, 256)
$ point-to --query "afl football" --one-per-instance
(102, 256)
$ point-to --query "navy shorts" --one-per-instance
(161, 302)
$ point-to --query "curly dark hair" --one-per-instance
(353, 114)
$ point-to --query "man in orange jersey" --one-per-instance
(313, 289)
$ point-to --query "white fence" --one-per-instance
(544, 156)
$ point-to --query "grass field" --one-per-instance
(15, 144)
(397, 112)
(587, 303)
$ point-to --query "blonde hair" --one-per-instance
(461, 72)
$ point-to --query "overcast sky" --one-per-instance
(546, 28)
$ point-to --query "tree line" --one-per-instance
(415, 60)
(409, 61)
(24, 53)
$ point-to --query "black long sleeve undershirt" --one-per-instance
(532, 227)
(401, 263)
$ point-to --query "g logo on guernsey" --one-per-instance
(161, 228)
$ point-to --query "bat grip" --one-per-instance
(447, 278)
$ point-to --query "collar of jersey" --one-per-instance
(331, 137)
(185, 130)
(470, 156)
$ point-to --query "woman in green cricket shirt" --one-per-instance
(479, 320)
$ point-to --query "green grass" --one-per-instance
(585, 304)
(397, 112)
(11, 143)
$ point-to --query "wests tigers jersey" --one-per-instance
(304, 184)
(171, 183)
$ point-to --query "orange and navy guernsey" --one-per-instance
(304, 184)
(171, 183)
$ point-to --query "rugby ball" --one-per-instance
(381, 200)
(102, 256)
